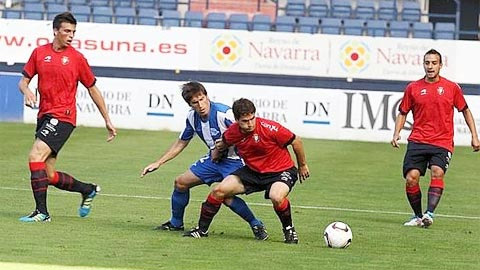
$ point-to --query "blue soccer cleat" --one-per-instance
(36, 216)
(86, 204)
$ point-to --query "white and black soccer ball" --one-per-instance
(338, 235)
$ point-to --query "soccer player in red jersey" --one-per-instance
(59, 68)
(269, 167)
(432, 100)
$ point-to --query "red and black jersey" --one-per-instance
(264, 150)
(58, 77)
(432, 107)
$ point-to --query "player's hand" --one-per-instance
(112, 132)
(303, 173)
(150, 168)
(394, 141)
(475, 144)
(216, 155)
(30, 99)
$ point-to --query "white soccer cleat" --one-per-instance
(427, 219)
(414, 222)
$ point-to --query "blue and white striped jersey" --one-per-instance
(220, 118)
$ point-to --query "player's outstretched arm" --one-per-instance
(100, 103)
(303, 171)
(29, 98)
(467, 114)
(175, 149)
(399, 123)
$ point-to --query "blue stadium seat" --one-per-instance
(318, 8)
(147, 16)
(376, 28)
(308, 25)
(123, 3)
(422, 30)
(171, 18)
(55, 2)
(193, 19)
(411, 11)
(444, 30)
(217, 20)
(365, 10)
(168, 4)
(341, 9)
(387, 10)
(144, 4)
(12, 13)
(79, 2)
(285, 24)
(399, 29)
(32, 1)
(81, 12)
(331, 26)
(295, 8)
(100, 3)
(53, 9)
(353, 27)
(102, 14)
(261, 22)
(33, 11)
(125, 15)
(238, 21)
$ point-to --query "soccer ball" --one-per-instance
(338, 235)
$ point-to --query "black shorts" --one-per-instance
(53, 132)
(254, 181)
(420, 156)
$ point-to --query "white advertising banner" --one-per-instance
(311, 113)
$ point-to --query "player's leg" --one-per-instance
(438, 167)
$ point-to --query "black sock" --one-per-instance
(68, 183)
(39, 183)
(209, 209)
(284, 213)
(414, 196)
(435, 192)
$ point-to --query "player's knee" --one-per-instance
(437, 172)
(180, 184)
(276, 199)
(412, 180)
(218, 192)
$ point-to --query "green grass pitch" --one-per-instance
(356, 182)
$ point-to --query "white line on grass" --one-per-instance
(262, 204)
(27, 266)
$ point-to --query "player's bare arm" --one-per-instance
(467, 114)
(220, 148)
(100, 103)
(29, 98)
(303, 171)
(175, 149)
(399, 123)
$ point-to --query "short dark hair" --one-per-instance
(433, 51)
(243, 107)
(191, 89)
(63, 17)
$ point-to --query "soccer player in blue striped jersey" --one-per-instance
(208, 120)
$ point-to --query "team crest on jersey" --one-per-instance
(47, 59)
(65, 60)
(256, 138)
(214, 132)
(440, 90)
(423, 92)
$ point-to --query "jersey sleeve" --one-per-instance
(188, 132)
(459, 100)
(229, 118)
(284, 136)
(30, 68)
(85, 73)
(406, 104)
(232, 135)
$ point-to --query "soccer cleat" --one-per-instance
(195, 233)
(168, 226)
(414, 222)
(427, 219)
(290, 235)
(87, 200)
(259, 232)
(36, 216)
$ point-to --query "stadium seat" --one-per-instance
(123, 3)
(444, 30)
(376, 28)
(171, 18)
(365, 10)
(353, 27)
(308, 25)
(145, 4)
(125, 15)
(295, 8)
(422, 30)
(53, 9)
(387, 10)
(147, 16)
(81, 12)
(54, 2)
(32, 1)
(318, 8)
(399, 29)
(168, 4)
(285, 24)
(261, 22)
(33, 11)
(411, 11)
(79, 2)
(331, 26)
(341, 9)
(238, 21)
(99, 3)
(193, 19)
(12, 13)
(217, 20)
(102, 14)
